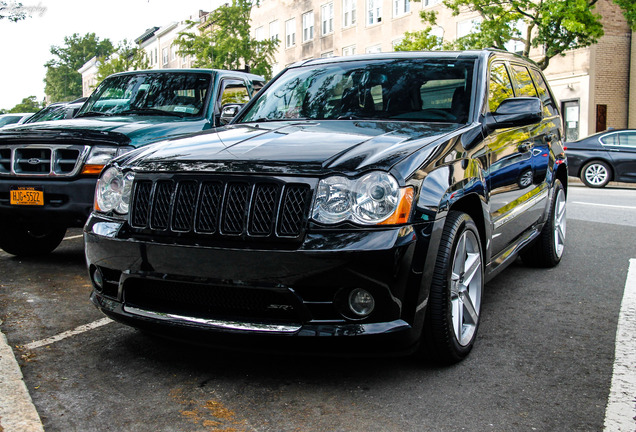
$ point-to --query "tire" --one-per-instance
(547, 250)
(454, 304)
(29, 237)
(596, 174)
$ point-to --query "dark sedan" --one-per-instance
(603, 157)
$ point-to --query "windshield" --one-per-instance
(51, 112)
(174, 94)
(406, 89)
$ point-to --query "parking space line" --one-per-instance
(73, 237)
(620, 415)
(17, 412)
(605, 205)
(66, 334)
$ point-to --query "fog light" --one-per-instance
(361, 302)
(98, 279)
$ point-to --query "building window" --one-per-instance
(401, 7)
(396, 42)
(259, 34)
(431, 2)
(290, 33)
(274, 32)
(349, 50)
(516, 46)
(374, 11)
(374, 49)
(327, 54)
(308, 26)
(466, 27)
(570, 110)
(326, 18)
(348, 13)
(173, 52)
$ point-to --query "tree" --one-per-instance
(226, 43)
(555, 26)
(63, 81)
(126, 57)
(28, 104)
(13, 11)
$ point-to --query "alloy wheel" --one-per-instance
(559, 223)
(466, 287)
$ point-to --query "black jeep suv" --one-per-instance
(359, 199)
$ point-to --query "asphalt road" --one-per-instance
(543, 360)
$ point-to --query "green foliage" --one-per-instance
(28, 104)
(63, 81)
(126, 57)
(226, 43)
(13, 11)
(629, 10)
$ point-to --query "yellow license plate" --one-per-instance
(27, 196)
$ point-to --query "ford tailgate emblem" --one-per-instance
(33, 161)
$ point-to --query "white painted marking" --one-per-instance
(604, 205)
(74, 237)
(78, 330)
(17, 412)
(620, 415)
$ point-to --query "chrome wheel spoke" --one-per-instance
(471, 314)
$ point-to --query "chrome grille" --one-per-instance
(227, 208)
(41, 160)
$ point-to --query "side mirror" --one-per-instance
(515, 112)
(228, 112)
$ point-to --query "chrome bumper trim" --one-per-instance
(227, 325)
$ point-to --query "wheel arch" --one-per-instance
(472, 205)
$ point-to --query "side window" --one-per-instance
(523, 82)
(549, 106)
(234, 91)
(624, 139)
(500, 87)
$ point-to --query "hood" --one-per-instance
(291, 147)
(130, 130)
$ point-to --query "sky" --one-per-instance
(25, 45)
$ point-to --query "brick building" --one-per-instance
(593, 84)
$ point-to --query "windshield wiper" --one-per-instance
(151, 111)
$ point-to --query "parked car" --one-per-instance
(13, 118)
(57, 111)
(48, 170)
(357, 200)
(603, 157)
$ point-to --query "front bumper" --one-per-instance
(237, 293)
(67, 201)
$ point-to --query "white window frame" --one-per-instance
(326, 18)
(173, 52)
(427, 3)
(308, 26)
(327, 54)
(290, 33)
(374, 12)
(466, 27)
(374, 49)
(274, 30)
(401, 7)
(349, 8)
(349, 50)
(259, 33)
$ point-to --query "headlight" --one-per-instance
(113, 191)
(374, 198)
(100, 156)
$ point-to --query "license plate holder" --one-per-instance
(26, 196)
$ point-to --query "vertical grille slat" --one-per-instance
(235, 208)
(161, 205)
(220, 208)
(264, 209)
(293, 210)
(184, 206)
(209, 207)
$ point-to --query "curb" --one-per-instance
(17, 412)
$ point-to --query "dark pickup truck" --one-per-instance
(48, 170)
